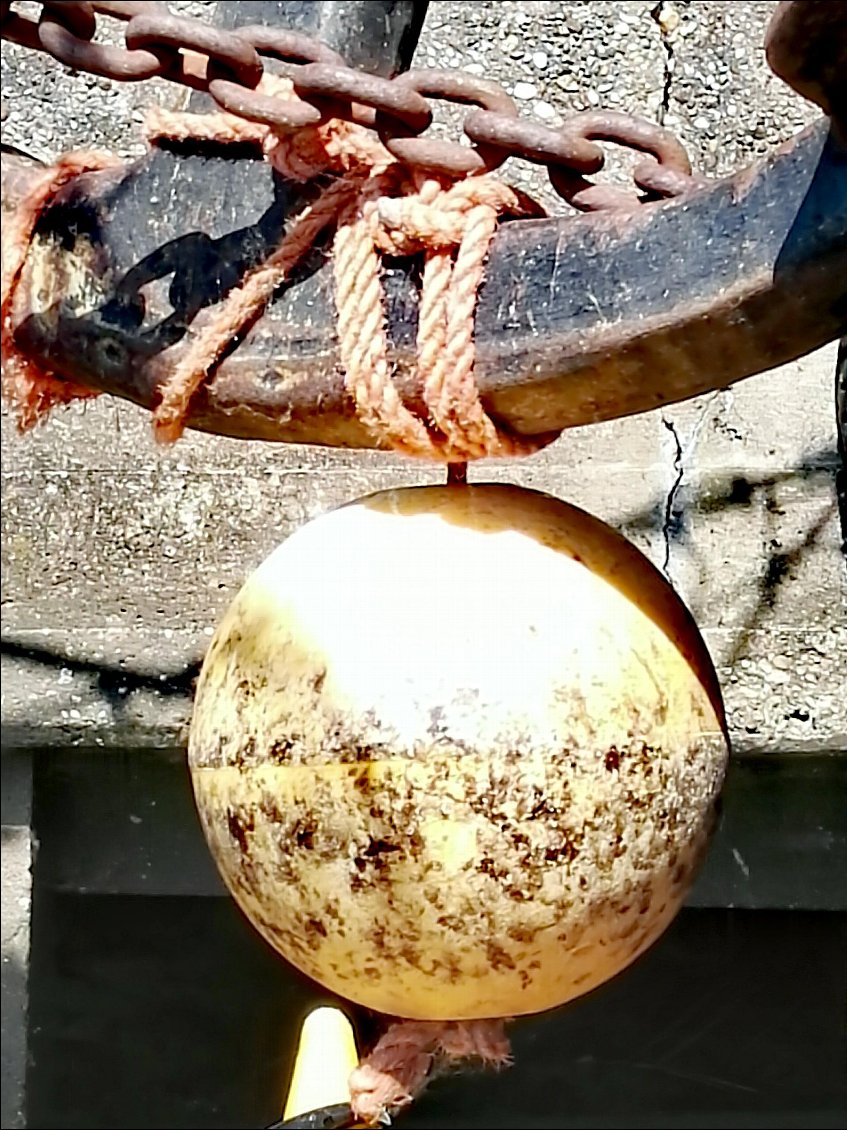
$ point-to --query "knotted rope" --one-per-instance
(376, 206)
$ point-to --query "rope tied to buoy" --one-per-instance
(410, 1052)
(376, 206)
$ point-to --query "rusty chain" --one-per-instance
(229, 65)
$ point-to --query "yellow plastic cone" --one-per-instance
(325, 1057)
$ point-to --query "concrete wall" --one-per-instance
(118, 557)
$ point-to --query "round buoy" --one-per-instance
(456, 751)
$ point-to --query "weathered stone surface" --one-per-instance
(119, 554)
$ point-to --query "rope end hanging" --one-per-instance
(408, 1055)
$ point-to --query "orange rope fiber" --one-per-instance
(410, 1052)
(30, 387)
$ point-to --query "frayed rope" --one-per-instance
(411, 1053)
(29, 386)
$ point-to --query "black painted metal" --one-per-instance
(378, 36)
(734, 1018)
(580, 318)
(781, 843)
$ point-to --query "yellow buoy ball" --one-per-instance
(456, 751)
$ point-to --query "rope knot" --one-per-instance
(433, 215)
(377, 206)
(452, 225)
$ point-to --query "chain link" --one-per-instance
(77, 17)
(229, 66)
(345, 93)
(446, 156)
(288, 47)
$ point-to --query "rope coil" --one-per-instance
(376, 206)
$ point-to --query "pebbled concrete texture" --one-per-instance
(119, 557)
(48, 109)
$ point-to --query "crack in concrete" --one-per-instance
(674, 523)
(665, 15)
(17, 938)
(671, 523)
